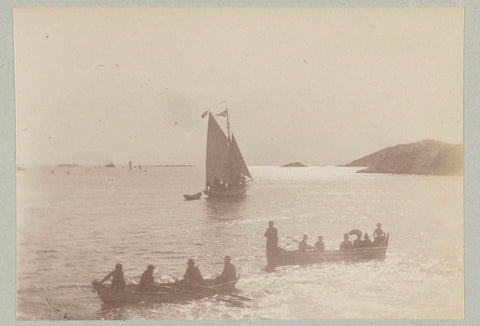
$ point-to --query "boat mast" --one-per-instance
(228, 128)
(229, 148)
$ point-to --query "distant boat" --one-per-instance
(294, 165)
(193, 197)
(226, 171)
(110, 165)
(67, 165)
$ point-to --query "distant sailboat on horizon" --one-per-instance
(226, 170)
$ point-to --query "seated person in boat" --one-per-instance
(378, 236)
(217, 184)
(192, 274)
(319, 245)
(118, 282)
(146, 281)
(229, 272)
(357, 243)
(346, 244)
(366, 241)
(303, 245)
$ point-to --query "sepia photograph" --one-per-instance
(220, 163)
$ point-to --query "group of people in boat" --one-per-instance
(379, 240)
(272, 240)
(191, 278)
(221, 185)
(304, 246)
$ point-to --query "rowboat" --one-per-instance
(163, 292)
(282, 257)
(193, 197)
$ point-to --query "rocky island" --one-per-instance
(294, 165)
(427, 157)
(67, 165)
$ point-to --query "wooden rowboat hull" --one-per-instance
(281, 257)
(193, 197)
(163, 293)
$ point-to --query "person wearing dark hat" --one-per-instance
(357, 243)
(118, 282)
(272, 240)
(378, 236)
(319, 245)
(229, 272)
(147, 281)
(272, 235)
(346, 244)
(366, 243)
(192, 274)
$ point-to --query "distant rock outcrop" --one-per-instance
(67, 165)
(294, 165)
(428, 157)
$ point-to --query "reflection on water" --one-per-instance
(73, 228)
(226, 209)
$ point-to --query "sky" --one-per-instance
(323, 86)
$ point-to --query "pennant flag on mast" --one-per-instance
(223, 114)
(204, 114)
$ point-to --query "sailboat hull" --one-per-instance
(229, 193)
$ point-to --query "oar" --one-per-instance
(323, 257)
(229, 294)
(198, 294)
(159, 286)
(241, 297)
(309, 246)
(220, 293)
(174, 289)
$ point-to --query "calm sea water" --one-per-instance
(74, 224)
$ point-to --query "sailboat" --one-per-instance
(226, 171)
